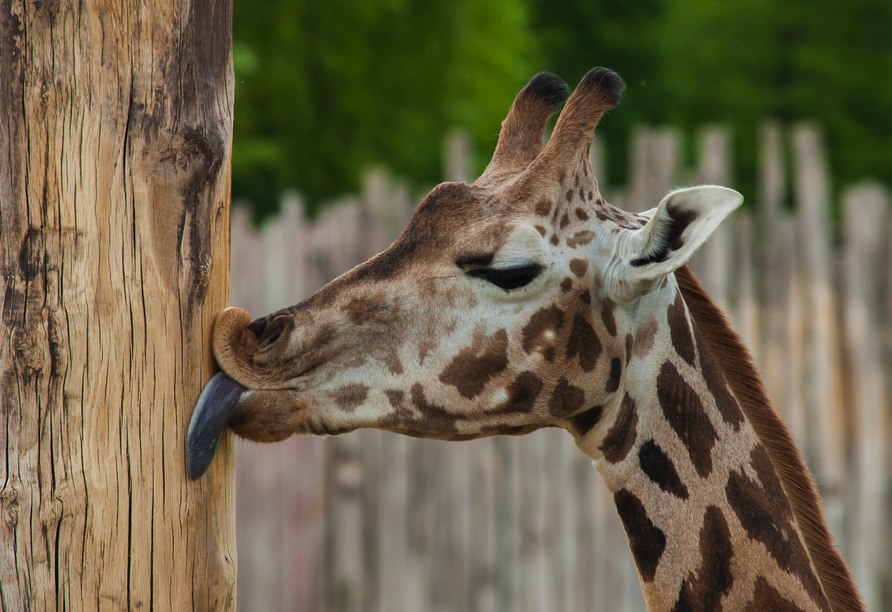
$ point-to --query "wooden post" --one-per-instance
(792, 352)
(712, 263)
(866, 228)
(826, 449)
(745, 314)
(114, 231)
(654, 167)
(457, 157)
(777, 269)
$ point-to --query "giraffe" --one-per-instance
(524, 300)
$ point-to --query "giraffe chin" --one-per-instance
(258, 415)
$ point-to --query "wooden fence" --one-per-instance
(374, 521)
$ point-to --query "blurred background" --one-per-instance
(347, 112)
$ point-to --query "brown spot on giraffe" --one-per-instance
(616, 373)
(768, 599)
(395, 397)
(554, 240)
(542, 322)
(762, 508)
(522, 395)
(565, 221)
(646, 540)
(718, 387)
(391, 359)
(350, 396)
(542, 231)
(658, 467)
(685, 413)
(584, 344)
(566, 399)
(566, 284)
(581, 214)
(578, 267)
(621, 437)
(543, 207)
(433, 418)
(580, 238)
(585, 421)
(680, 330)
(586, 297)
(607, 317)
(474, 366)
(644, 338)
(705, 590)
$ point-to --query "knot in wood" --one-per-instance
(9, 500)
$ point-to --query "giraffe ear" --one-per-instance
(677, 228)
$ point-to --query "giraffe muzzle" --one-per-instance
(261, 415)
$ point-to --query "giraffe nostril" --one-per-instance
(257, 327)
(272, 331)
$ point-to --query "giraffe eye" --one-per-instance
(509, 278)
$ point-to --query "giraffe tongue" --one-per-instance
(217, 399)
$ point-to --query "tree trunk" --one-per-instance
(115, 139)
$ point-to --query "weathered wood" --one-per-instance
(114, 231)
(712, 262)
(774, 253)
(279, 514)
(344, 571)
(655, 159)
(457, 157)
(792, 353)
(866, 228)
(280, 244)
(248, 263)
(826, 447)
(482, 561)
(745, 311)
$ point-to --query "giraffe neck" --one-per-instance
(706, 517)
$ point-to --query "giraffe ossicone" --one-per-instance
(523, 301)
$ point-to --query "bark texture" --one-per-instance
(115, 139)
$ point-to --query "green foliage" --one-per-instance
(577, 35)
(822, 60)
(323, 90)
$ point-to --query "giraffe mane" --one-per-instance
(743, 377)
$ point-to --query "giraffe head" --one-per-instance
(503, 306)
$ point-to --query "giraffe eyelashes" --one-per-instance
(509, 278)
